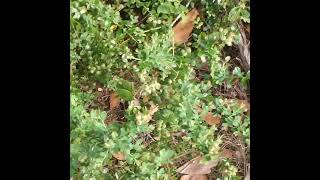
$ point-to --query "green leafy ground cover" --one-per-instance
(136, 94)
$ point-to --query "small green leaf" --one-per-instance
(245, 16)
(165, 8)
(164, 156)
(125, 94)
(126, 85)
(234, 14)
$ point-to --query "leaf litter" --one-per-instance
(212, 119)
(196, 167)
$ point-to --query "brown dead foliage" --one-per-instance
(183, 29)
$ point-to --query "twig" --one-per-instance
(133, 38)
(143, 19)
(151, 29)
(181, 155)
(123, 42)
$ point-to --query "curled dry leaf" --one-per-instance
(119, 155)
(114, 100)
(194, 167)
(194, 177)
(183, 29)
(212, 119)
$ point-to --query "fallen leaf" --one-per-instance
(114, 100)
(244, 104)
(227, 153)
(238, 154)
(180, 134)
(183, 29)
(198, 108)
(212, 119)
(194, 177)
(119, 155)
(194, 167)
(145, 118)
(153, 109)
(145, 99)
(136, 102)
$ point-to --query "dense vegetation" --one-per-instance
(141, 106)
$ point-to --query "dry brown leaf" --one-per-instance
(145, 99)
(198, 108)
(212, 119)
(237, 154)
(145, 118)
(119, 155)
(227, 153)
(179, 134)
(114, 100)
(153, 109)
(194, 177)
(244, 104)
(183, 29)
(194, 167)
